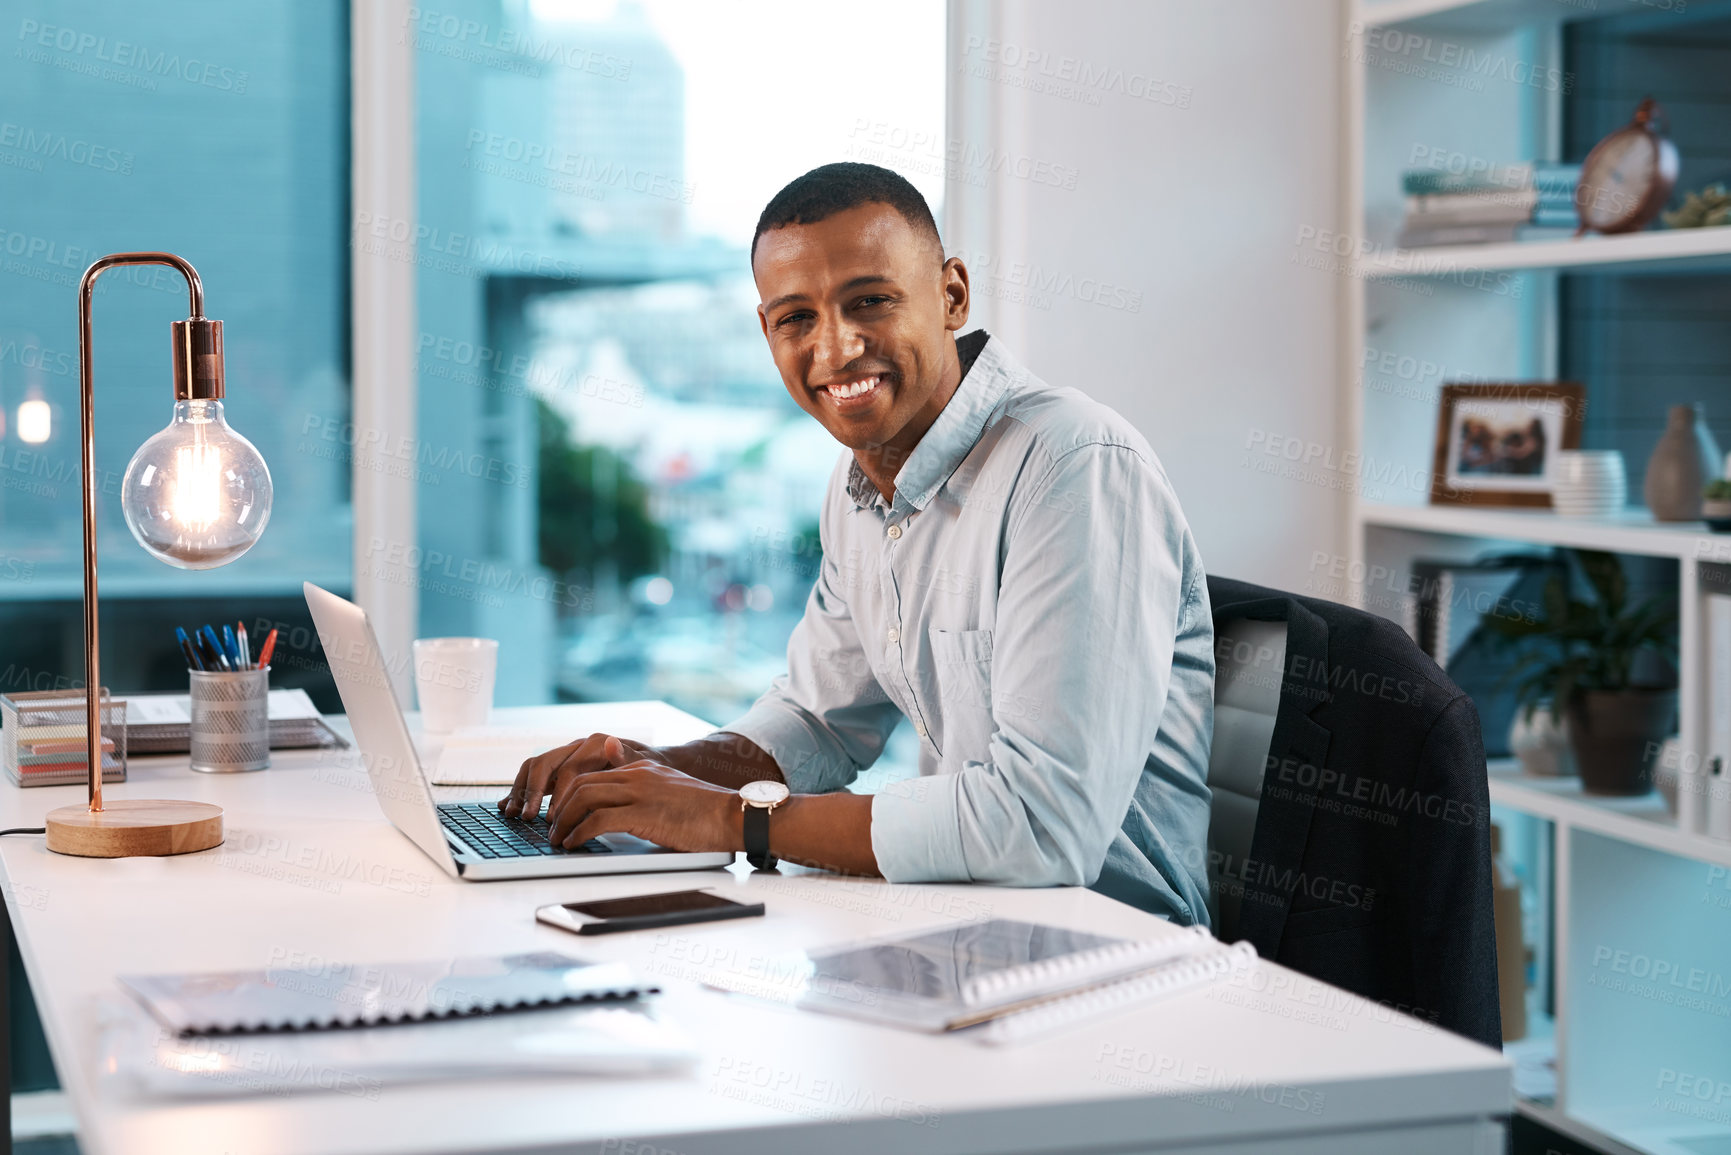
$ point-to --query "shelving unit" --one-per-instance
(1683, 251)
(1621, 875)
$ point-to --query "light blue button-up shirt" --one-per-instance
(1032, 601)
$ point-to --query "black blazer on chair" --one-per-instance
(1370, 866)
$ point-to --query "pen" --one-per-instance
(265, 650)
(245, 650)
(193, 661)
(231, 647)
(200, 647)
(210, 638)
(213, 660)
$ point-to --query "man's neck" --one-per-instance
(881, 463)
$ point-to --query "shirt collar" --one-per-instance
(987, 370)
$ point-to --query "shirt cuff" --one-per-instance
(916, 830)
(780, 733)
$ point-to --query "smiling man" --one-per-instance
(1004, 565)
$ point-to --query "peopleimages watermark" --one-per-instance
(35, 146)
(565, 171)
(1066, 77)
(1445, 61)
(1137, 1068)
(1027, 283)
(516, 374)
(954, 157)
(799, 1092)
(91, 55)
(1331, 251)
(400, 239)
(509, 49)
(480, 580)
(1661, 980)
(374, 449)
(1312, 462)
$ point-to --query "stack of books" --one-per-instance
(1516, 202)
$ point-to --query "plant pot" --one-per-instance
(1612, 732)
(1716, 512)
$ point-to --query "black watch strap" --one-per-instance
(757, 838)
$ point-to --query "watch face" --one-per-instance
(764, 792)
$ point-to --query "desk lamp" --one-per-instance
(196, 495)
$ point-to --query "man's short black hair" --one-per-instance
(833, 188)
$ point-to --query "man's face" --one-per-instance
(858, 309)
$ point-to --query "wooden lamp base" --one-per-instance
(134, 828)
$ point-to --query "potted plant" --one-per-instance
(1580, 658)
(1716, 505)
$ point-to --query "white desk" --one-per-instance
(1272, 1063)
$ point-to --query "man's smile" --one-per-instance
(853, 394)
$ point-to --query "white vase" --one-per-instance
(1542, 745)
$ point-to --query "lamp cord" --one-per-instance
(26, 830)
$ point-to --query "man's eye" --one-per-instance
(792, 318)
(870, 302)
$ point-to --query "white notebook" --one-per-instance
(1020, 979)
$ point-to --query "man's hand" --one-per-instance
(543, 775)
(645, 797)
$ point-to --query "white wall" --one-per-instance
(1189, 204)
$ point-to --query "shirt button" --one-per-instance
(920, 729)
(895, 531)
(895, 635)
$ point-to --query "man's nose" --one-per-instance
(838, 344)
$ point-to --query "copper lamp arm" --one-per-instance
(193, 340)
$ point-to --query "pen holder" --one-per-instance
(230, 720)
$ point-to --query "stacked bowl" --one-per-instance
(1589, 483)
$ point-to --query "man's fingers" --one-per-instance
(540, 774)
(599, 821)
(577, 801)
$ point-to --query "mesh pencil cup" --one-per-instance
(230, 720)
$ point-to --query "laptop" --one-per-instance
(471, 840)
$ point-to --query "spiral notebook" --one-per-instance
(315, 994)
(1019, 978)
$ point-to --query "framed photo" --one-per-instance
(1496, 444)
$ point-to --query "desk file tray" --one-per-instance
(42, 737)
(317, 994)
(162, 723)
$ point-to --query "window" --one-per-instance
(219, 133)
(613, 480)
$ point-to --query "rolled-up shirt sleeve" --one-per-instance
(1081, 654)
(827, 718)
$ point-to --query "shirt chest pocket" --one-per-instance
(962, 670)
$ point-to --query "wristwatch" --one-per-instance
(757, 799)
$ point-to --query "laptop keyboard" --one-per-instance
(492, 835)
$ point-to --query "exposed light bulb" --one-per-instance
(197, 495)
(35, 419)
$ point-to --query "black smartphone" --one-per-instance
(639, 912)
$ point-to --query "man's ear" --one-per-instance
(763, 322)
(958, 297)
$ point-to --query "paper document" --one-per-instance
(491, 755)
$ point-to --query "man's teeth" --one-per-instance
(854, 389)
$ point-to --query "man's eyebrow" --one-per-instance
(856, 283)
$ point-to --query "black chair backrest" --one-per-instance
(1369, 861)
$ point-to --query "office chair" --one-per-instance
(1350, 830)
